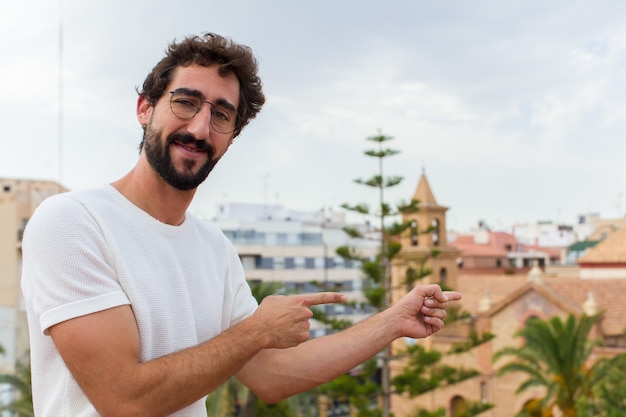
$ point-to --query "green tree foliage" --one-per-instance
(557, 356)
(20, 382)
(376, 270)
(609, 395)
(440, 412)
(424, 372)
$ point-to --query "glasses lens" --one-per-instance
(184, 106)
(223, 120)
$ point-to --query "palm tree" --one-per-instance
(20, 382)
(556, 356)
(610, 394)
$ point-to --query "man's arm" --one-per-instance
(275, 374)
(102, 350)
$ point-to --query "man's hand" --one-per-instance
(285, 319)
(421, 311)
(275, 374)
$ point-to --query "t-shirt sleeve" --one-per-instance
(68, 270)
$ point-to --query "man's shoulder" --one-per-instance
(73, 203)
(94, 193)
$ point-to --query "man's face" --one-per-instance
(184, 151)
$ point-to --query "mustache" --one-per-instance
(187, 139)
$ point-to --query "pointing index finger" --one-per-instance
(322, 298)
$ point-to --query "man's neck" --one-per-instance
(149, 192)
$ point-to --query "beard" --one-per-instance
(159, 157)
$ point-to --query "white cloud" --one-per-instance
(516, 110)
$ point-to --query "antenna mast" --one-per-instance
(60, 121)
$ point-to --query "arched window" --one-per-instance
(435, 224)
(458, 407)
(484, 394)
(443, 277)
(411, 277)
(414, 233)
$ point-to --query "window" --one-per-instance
(249, 262)
(484, 394)
(311, 238)
(265, 263)
(281, 239)
(458, 407)
(414, 233)
(299, 262)
(435, 224)
(290, 263)
(443, 277)
(339, 309)
(279, 262)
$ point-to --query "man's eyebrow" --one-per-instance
(190, 92)
(225, 103)
(196, 93)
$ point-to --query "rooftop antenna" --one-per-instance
(60, 121)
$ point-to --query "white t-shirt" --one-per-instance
(88, 251)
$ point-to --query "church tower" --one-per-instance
(427, 236)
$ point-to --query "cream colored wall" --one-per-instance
(8, 249)
(18, 200)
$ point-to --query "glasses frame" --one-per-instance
(198, 109)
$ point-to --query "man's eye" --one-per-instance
(183, 102)
(221, 115)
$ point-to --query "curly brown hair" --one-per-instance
(208, 49)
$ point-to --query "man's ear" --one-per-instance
(144, 110)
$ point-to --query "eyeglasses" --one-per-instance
(186, 105)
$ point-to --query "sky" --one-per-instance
(515, 110)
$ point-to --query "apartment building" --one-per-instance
(18, 200)
(298, 249)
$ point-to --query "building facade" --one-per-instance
(298, 249)
(501, 303)
(18, 200)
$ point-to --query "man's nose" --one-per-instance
(200, 125)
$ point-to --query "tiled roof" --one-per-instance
(610, 250)
(479, 250)
(567, 291)
(475, 287)
(608, 294)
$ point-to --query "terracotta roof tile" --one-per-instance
(608, 293)
(610, 250)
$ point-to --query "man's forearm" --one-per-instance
(275, 374)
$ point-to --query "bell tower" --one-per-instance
(425, 246)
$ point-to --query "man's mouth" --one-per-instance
(190, 144)
(189, 148)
